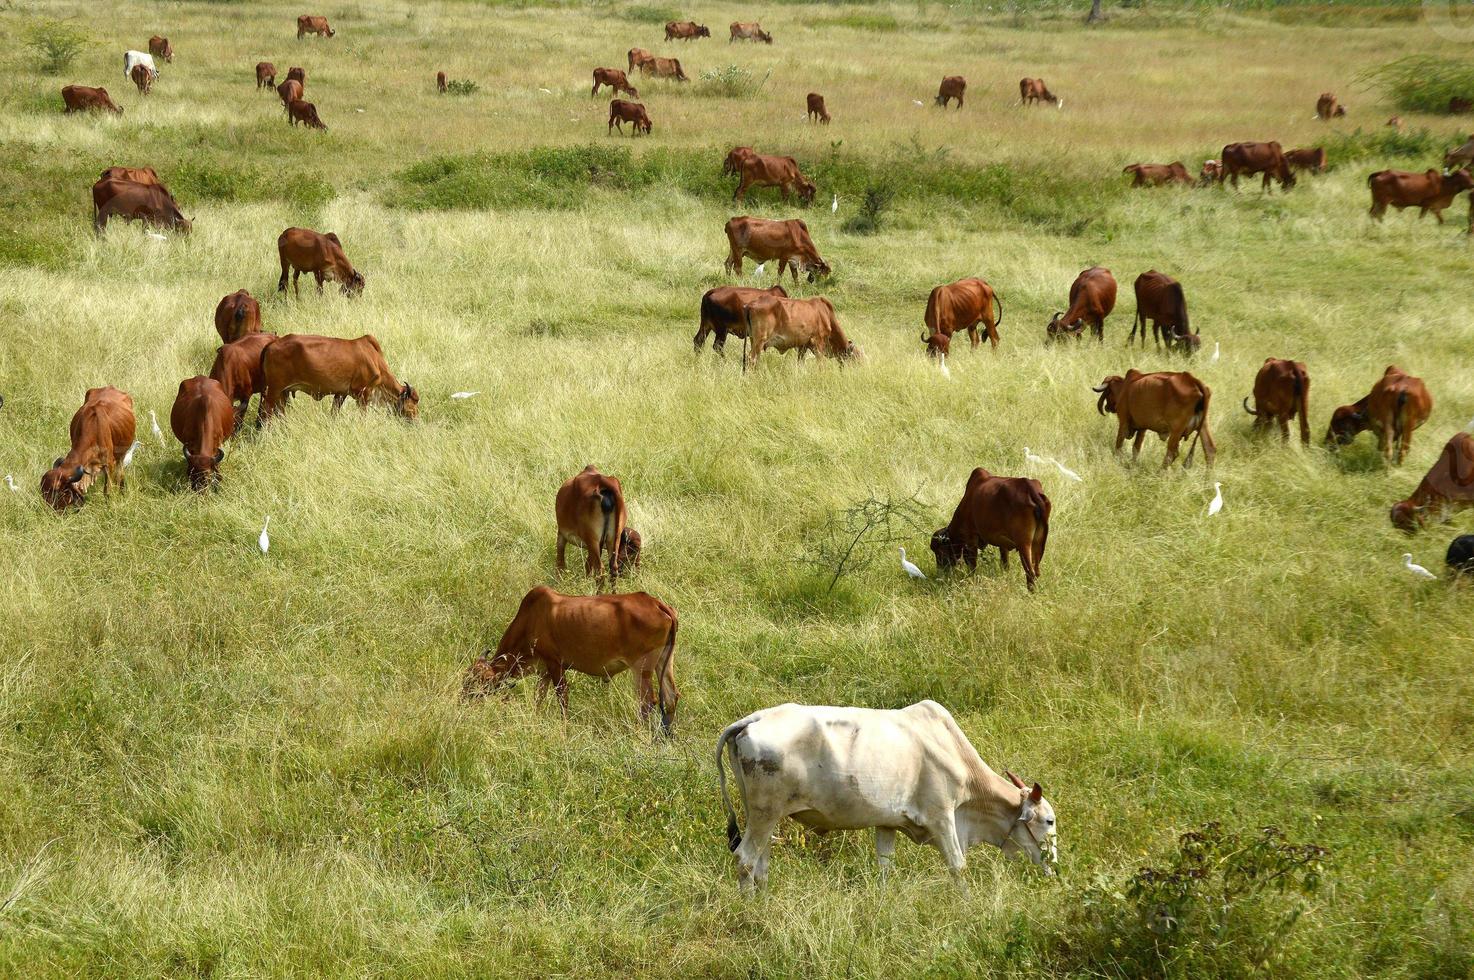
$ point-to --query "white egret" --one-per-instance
(11, 483)
(1066, 472)
(946, 372)
(128, 456)
(909, 568)
(1418, 570)
(834, 205)
(1215, 352)
(263, 542)
(1217, 504)
(154, 421)
(465, 394)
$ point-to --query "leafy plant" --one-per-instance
(868, 219)
(650, 14)
(1424, 83)
(849, 540)
(461, 87)
(57, 44)
(731, 82)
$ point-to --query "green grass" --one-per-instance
(218, 763)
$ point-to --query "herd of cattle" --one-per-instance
(910, 770)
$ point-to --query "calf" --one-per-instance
(1009, 513)
(764, 240)
(265, 75)
(1249, 159)
(304, 250)
(1092, 298)
(131, 59)
(1312, 159)
(664, 68)
(910, 771)
(599, 635)
(1427, 191)
(440, 82)
(615, 79)
(305, 113)
(805, 325)
(237, 315)
(1396, 406)
(309, 24)
(1157, 174)
(748, 32)
(150, 204)
(621, 112)
(289, 91)
(952, 87)
(1281, 392)
(816, 108)
(238, 369)
(1447, 487)
(143, 79)
(1211, 173)
(160, 47)
(202, 419)
(590, 512)
(322, 366)
(1032, 91)
(102, 432)
(961, 305)
(85, 98)
(685, 30)
(758, 170)
(1160, 299)
(637, 58)
(1171, 404)
(1326, 107)
(722, 311)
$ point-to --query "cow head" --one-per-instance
(629, 552)
(203, 469)
(1461, 180)
(764, 37)
(491, 672)
(702, 31)
(1057, 329)
(816, 268)
(1408, 516)
(937, 344)
(1110, 392)
(354, 284)
(806, 191)
(1346, 423)
(946, 551)
(1033, 833)
(1340, 111)
(407, 402)
(633, 92)
(64, 487)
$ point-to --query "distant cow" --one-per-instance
(150, 204)
(1033, 90)
(1460, 155)
(733, 164)
(1248, 159)
(1172, 404)
(685, 30)
(1281, 392)
(599, 635)
(759, 170)
(85, 98)
(1460, 555)
(953, 87)
(202, 419)
(101, 433)
(664, 68)
(1157, 174)
(322, 366)
(1210, 174)
(748, 32)
(136, 175)
(131, 59)
(237, 315)
(143, 79)
(308, 24)
(1395, 407)
(764, 240)
(816, 108)
(1447, 487)
(615, 79)
(304, 250)
(590, 512)
(238, 369)
(265, 75)
(638, 57)
(160, 47)
(1092, 298)
(957, 306)
(1009, 513)
(621, 112)
(1160, 299)
(1312, 159)
(289, 91)
(440, 82)
(1427, 191)
(1326, 107)
(305, 113)
(808, 326)
(722, 311)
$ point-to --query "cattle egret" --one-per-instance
(154, 421)
(946, 372)
(834, 205)
(760, 268)
(917, 102)
(10, 483)
(1418, 570)
(1470, 425)
(1215, 352)
(1217, 504)
(909, 568)
(357, 110)
(128, 456)
(465, 394)
(547, 90)
(263, 542)
(1067, 472)
(155, 235)
(1034, 458)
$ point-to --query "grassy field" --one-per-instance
(219, 763)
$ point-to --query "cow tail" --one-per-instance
(1397, 416)
(240, 318)
(1256, 414)
(667, 701)
(999, 300)
(607, 505)
(746, 316)
(734, 834)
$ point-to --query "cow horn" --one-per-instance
(1100, 390)
(1100, 403)
(57, 463)
(1014, 779)
(219, 455)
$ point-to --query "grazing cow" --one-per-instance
(1460, 556)
(305, 113)
(590, 512)
(237, 315)
(101, 431)
(1395, 407)
(202, 419)
(133, 58)
(806, 325)
(722, 311)
(1010, 513)
(148, 203)
(598, 635)
(1461, 155)
(1427, 191)
(1159, 298)
(142, 79)
(953, 87)
(135, 175)
(289, 91)
(298, 74)
(1211, 173)
(630, 544)
(85, 98)
(961, 305)
(440, 82)
(160, 47)
(816, 108)
(304, 250)
(322, 366)
(1092, 298)
(910, 770)
(748, 32)
(759, 170)
(638, 57)
(1326, 107)
(1395, 123)
(787, 241)
(1157, 174)
(1281, 392)
(1170, 403)
(1447, 487)
(238, 369)
(686, 30)
(664, 68)
(308, 24)
(615, 79)
(1033, 90)
(1249, 159)
(265, 75)
(621, 112)
(733, 164)
(1312, 159)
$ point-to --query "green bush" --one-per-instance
(648, 14)
(730, 82)
(868, 219)
(1423, 83)
(57, 44)
(1383, 142)
(461, 87)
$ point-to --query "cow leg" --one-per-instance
(317, 275)
(1284, 429)
(885, 849)
(741, 190)
(645, 690)
(756, 847)
(562, 565)
(297, 283)
(1026, 559)
(1172, 440)
(338, 401)
(972, 335)
(1136, 446)
(945, 837)
(970, 555)
(281, 285)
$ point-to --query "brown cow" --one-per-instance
(150, 204)
(289, 91)
(265, 75)
(1427, 191)
(1092, 298)
(115, 180)
(1010, 513)
(961, 305)
(1211, 173)
(322, 366)
(599, 635)
(1170, 403)
(1312, 159)
(237, 315)
(1447, 487)
(1460, 155)
(1396, 406)
(759, 170)
(85, 98)
(630, 544)
(160, 47)
(202, 419)
(238, 369)
(304, 250)
(1033, 90)
(143, 78)
(638, 57)
(1160, 299)
(806, 325)
(748, 32)
(102, 432)
(722, 311)
(136, 175)
(1326, 107)
(1157, 174)
(1281, 392)
(1249, 159)
(308, 24)
(298, 74)
(621, 112)
(816, 108)
(953, 87)
(305, 113)
(686, 30)
(787, 241)
(664, 68)
(440, 82)
(733, 164)
(615, 79)
(590, 512)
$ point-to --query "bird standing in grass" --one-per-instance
(1215, 352)
(909, 568)
(1418, 570)
(11, 483)
(154, 421)
(128, 456)
(264, 542)
(1217, 504)
(834, 205)
(946, 372)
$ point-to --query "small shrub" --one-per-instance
(868, 219)
(1382, 142)
(461, 87)
(1423, 83)
(642, 13)
(57, 44)
(849, 540)
(731, 82)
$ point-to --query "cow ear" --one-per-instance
(77, 475)
(57, 463)
(219, 455)
(1036, 794)
(1014, 779)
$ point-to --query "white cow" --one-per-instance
(131, 58)
(911, 770)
